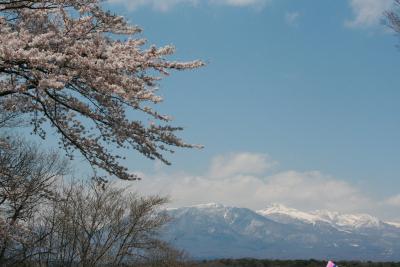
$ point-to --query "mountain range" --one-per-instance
(216, 231)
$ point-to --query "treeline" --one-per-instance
(290, 263)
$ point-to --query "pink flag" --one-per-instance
(331, 264)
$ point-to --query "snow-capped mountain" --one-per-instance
(217, 231)
(284, 214)
(395, 224)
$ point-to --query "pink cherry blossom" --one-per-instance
(60, 65)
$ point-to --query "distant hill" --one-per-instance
(277, 232)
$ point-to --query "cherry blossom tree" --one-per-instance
(80, 69)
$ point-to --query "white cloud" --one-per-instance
(242, 180)
(241, 3)
(160, 5)
(312, 190)
(394, 201)
(240, 163)
(291, 18)
(165, 5)
(368, 13)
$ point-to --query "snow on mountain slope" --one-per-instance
(349, 220)
(395, 224)
(281, 210)
(284, 214)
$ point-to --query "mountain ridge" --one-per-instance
(218, 231)
(338, 219)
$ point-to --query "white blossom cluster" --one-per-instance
(81, 69)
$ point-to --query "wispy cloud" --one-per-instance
(368, 13)
(292, 18)
(251, 180)
(165, 5)
(394, 201)
(241, 3)
(240, 163)
(160, 5)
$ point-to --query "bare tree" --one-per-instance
(101, 225)
(75, 224)
(393, 17)
(26, 178)
(8, 119)
(58, 65)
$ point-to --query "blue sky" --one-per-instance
(302, 88)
